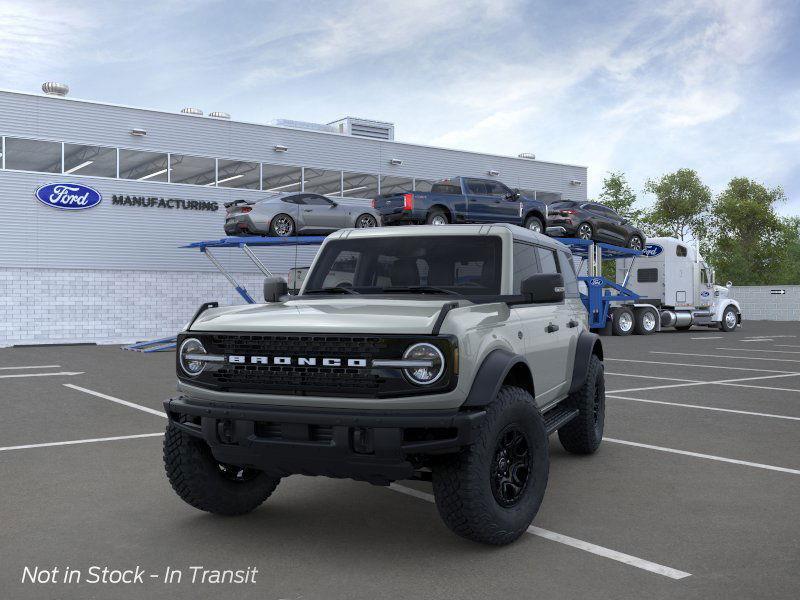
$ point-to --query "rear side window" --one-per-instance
(446, 186)
(570, 279)
(293, 200)
(526, 264)
(681, 250)
(547, 260)
(647, 275)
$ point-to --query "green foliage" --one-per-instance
(618, 196)
(749, 243)
(681, 205)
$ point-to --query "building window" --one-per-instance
(97, 161)
(280, 178)
(144, 166)
(33, 155)
(320, 181)
(237, 174)
(396, 185)
(423, 185)
(359, 185)
(194, 170)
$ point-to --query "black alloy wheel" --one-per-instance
(511, 466)
(635, 243)
(584, 231)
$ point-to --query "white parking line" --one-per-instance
(757, 340)
(725, 356)
(759, 350)
(31, 367)
(717, 382)
(708, 337)
(706, 456)
(87, 441)
(653, 377)
(786, 346)
(627, 559)
(674, 364)
(152, 411)
(714, 408)
(65, 373)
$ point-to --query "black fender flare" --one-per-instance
(490, 376)
(588, 344)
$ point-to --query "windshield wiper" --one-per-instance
(331, 290)
(421, 289)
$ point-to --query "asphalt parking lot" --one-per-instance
(694, 493)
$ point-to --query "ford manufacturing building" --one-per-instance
(115, 272)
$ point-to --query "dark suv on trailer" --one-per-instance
(593, 221)
(463, 200)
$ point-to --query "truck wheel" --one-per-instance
(534, 224)
(281, 226)
(729, 319)
(208, 485)
(645, 323)
(491, 491)
(437, 217)
(622, 323)
(584, 433)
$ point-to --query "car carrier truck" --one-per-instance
(675, 288)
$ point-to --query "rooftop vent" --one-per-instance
(527, 155)
(192, 111)
(303, 125)
(219, 115)
(51, 88)
(377, 130)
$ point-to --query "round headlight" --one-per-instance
(187, 357)
(428, 374)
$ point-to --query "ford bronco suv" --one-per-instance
(441, 353)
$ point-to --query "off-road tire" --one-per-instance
(434, 213)
(723, 325)
(462, 483)
(272, 230)
(619, 323)
(199, 481)
(640, 326)
(533, 220)
(584, 433)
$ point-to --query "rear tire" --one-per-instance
(206, 484)
(623, 321)
(282, 225)
(584, 433)
(645, 321)
(636, 243)
(534, 224)
(437, 217)
(584, 232)
(490, 491)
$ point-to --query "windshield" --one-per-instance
(466, 265)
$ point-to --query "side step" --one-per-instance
(558, 416)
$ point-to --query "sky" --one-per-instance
(639, 87)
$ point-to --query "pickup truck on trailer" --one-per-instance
(446, 353)
(463, 200)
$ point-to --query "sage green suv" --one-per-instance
(442, 353)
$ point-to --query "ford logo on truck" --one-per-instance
(652, 250)
(68, 196)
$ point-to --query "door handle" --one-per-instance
(307, 210)
(551, 328)
(572, 324)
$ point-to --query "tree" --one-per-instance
(618, 196)
(681, 205)
(750, 243)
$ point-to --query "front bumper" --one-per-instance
(374, 446)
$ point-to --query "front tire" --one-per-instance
(584, 433)
(534, 224)
(490, 491)
(281, 225)
(729, 320)
(206, 484)
(635, 243)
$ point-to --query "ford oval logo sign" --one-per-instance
(652, 250)
(595, 282)
(705, 294)
(68, 196)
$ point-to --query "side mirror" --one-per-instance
(544, 288)
(729, 285)
(296, 276)
(334, 204)
(274, 288)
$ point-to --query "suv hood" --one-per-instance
(340, 315)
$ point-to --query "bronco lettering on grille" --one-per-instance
(298, 361)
